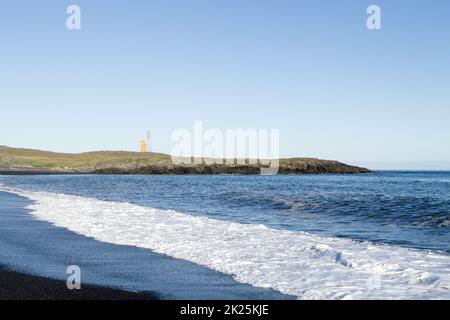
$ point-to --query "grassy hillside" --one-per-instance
(146, 163)
(37, 159)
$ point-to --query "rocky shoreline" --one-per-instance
(247, 170)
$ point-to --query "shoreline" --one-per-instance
(129, 227)
(33, 173)
(35, 254)
(16, 285)
(168, 173)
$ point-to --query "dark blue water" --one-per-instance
(410, 209)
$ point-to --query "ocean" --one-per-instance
(379, 235)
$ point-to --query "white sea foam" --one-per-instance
(297, 263)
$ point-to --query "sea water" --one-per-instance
(377, 235)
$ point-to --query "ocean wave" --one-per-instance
(297, 263)
(262, 201)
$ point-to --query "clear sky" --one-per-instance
(310, 68)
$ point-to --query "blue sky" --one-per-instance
(310, 68)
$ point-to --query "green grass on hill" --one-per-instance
(37, 159)
(28, 159)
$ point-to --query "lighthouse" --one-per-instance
(145, 144)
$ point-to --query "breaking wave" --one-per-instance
(293, 262)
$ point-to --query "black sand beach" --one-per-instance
(19, 286)
(38, 251)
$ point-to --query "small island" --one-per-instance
(30, 161)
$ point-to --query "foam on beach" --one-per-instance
(296, 263)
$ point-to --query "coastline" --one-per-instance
(30, 161)
(34, 255)
(16, 285)
(4, 172)
(60, 228)
(175, 171)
